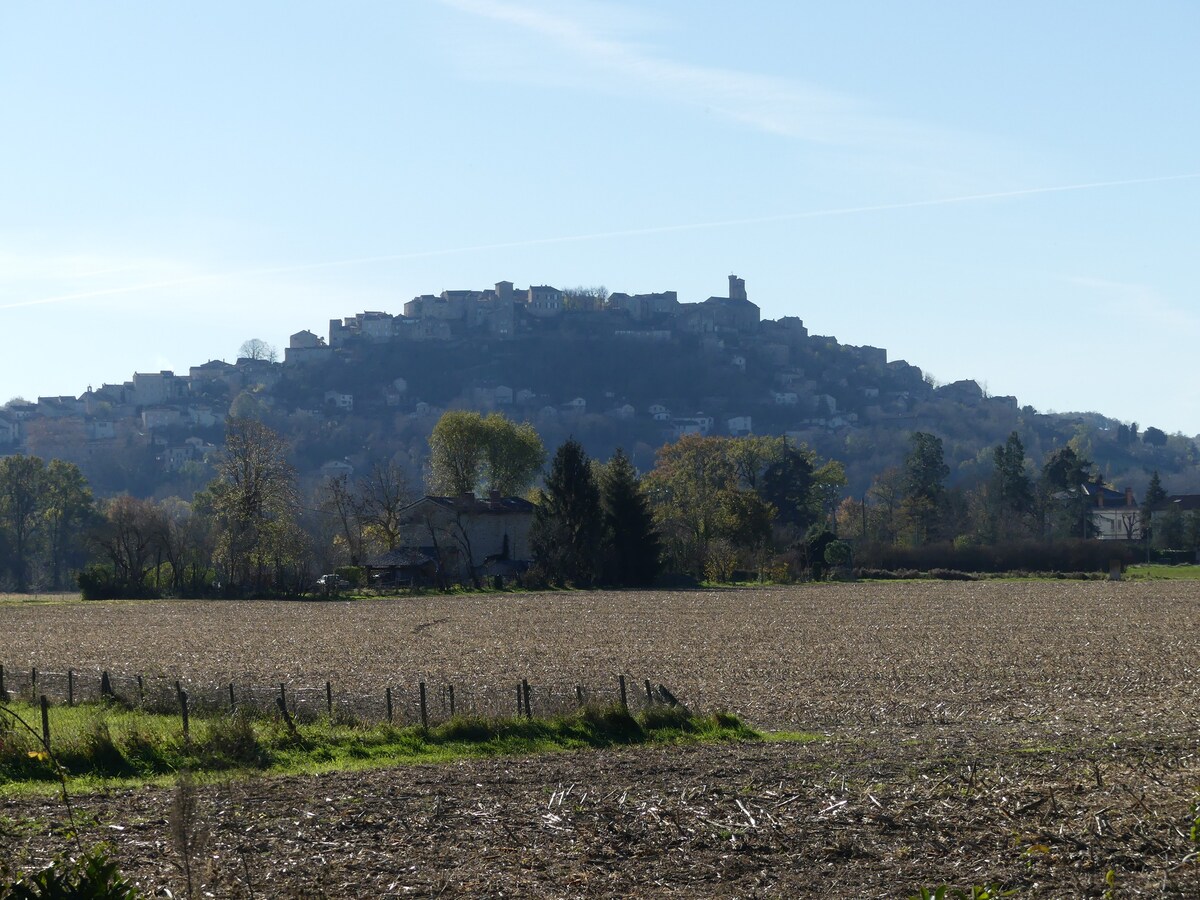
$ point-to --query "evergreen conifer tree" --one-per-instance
(568, 526)
(633, 551)
(1155, 495)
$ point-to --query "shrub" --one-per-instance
(232, 742)
(101, 583)
(952, 575)
(612, 722)
(656, 718)
(96, 752)
(1030, 556)
(1175, 557)
(94, 876)
(471, 729)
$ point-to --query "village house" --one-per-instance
(155, 388)
(305, 347)
(336, 468)
(697, 424)
(20, 410)
(460, 539)
(623, 412)
(1177, 507)
(159, 417)
(8, 432)
(1114, 515)
(338, 400)
(739, 426)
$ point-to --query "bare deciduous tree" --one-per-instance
(256, 348)
(382, 495)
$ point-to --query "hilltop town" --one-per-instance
(619, 369)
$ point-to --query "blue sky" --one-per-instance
(1004, 192)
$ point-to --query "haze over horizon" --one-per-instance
(1008, 195)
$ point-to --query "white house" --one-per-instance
(339, 400)
(160, 417)
(739, 426)
(623, 412)
(697, 424)
(1115, 515)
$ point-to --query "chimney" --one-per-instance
(1129, 496)
(494, 496)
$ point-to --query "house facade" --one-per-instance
(1115, 514)
(467, 535)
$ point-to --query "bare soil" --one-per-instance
(1039, 736)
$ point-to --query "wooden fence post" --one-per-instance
(450, 689)
(282, 699)
(624, 699)
(33, 680)
(46, 722)
(141, 690)
(649, 693)
(3, 692)
(389, 704)
(424, 712)
(525, 694)
(519, 700)
(183, 709)
(106, 688)
(579, 695)
(70, 687)
(232, 700)
(329, 700)
(287, 718)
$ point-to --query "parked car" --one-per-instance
(333, 582)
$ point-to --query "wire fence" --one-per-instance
(400, 704)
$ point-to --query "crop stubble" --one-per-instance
(1033, 734)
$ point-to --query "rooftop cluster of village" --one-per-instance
(505, 312)
(775, 378)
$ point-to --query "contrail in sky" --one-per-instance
(595, 236)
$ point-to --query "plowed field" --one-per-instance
(1035, 735)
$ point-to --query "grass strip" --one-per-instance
(102, 745)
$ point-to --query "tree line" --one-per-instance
(714, 508)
